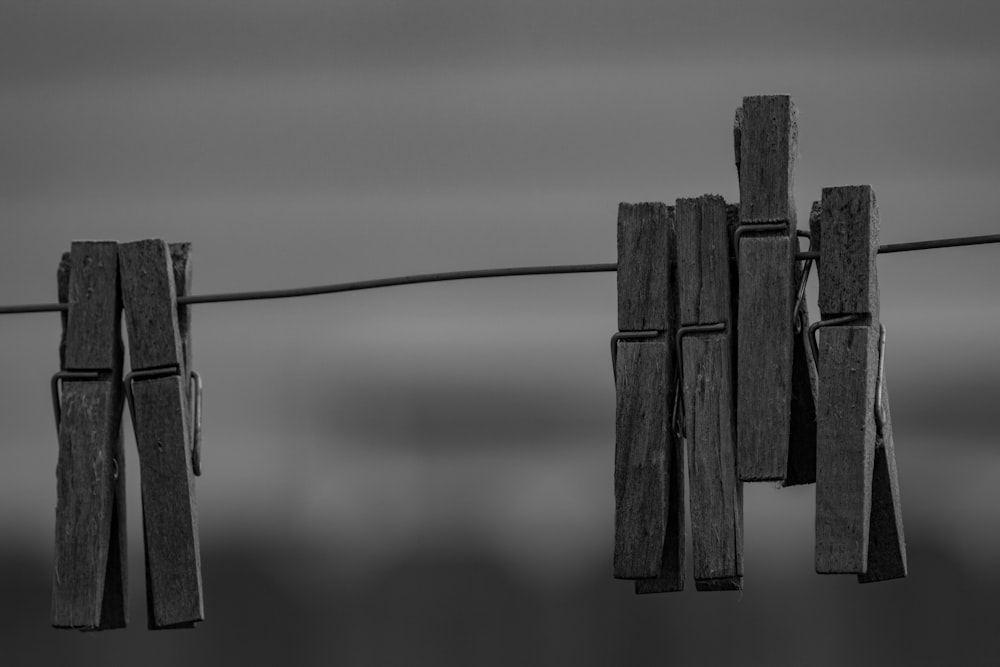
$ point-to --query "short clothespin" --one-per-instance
(858, 520)
(90, 577)
(649, 474)
(776, 385)
(165, 424)
(705, 353)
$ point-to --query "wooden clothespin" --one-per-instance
(90, 578)
(163, 420)
(705, 350)
(649, 474)
(776, 387)
(858, 520)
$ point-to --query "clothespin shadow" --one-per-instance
(858, 518)
(162, 416)
(705, 359)
(649, 475)
(90, 577)
(801, 468)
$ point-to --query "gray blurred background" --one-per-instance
(423, 475)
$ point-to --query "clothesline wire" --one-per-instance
(468, 275)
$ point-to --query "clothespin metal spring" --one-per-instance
(677, 416)
(880, 377)
(802, 281)
(67, 375)
(627, 335)
(196, 404)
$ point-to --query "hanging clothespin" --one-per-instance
(858, 519)
(765, 243)
(157, 389)
(649, 475)
(777, 379)
(90, 577)
(705, 353)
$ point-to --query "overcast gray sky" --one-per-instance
(300, 143)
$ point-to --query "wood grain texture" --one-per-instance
(62, 280)
(642, 438)
(84, 506)
(644, 238)
(768, 132)
(90, 577)
(94, 315)
(849, 230)
(848, 365)
(805, 382)
(180, 261)
(702, 233)
(764, 357)
(672, 565)
(815, 229)
(738, 138)
(886, 542)
(149, 295)
(716, 495)
(170, 520)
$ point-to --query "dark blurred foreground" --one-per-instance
(264, 607)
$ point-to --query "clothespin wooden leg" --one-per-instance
(90, 578)
(706, 354)
(649, 508)
(858, 519)
(765, 245)
(160, 416)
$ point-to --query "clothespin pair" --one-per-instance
(673, 354)
(859, 526)
(90, 573)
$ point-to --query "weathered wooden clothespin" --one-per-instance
(705, 352)
(775, 387)
(649, 474)
(858, 520)
(164, 423)
(90, 577)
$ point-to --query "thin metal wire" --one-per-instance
(922, 245)
(467, 275)
(400, 280)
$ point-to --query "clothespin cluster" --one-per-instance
(715, 355)
(98, 280)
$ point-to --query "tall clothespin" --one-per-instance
(705, 351)
(765, 243)
(649, 474)
(858, 520)
(163, 419)
(90, 578)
